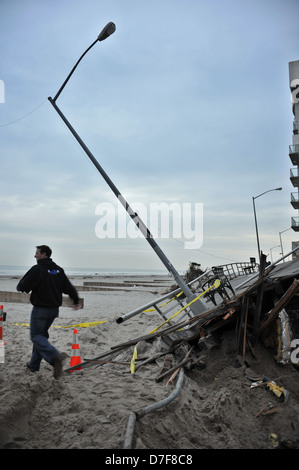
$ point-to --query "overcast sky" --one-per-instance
(188, 102)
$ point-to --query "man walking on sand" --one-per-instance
(47, 282)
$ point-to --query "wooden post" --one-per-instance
(287, 296)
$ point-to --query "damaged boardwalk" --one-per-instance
(159, 377)
(255, 308)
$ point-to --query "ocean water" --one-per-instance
(21, 270)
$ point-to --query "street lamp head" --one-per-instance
(107, 31)
(269, 190)
(253, 199)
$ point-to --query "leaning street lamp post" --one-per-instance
(196, 307)
(255, 219)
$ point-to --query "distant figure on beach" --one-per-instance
(47, 282)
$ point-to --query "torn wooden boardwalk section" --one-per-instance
(250, 311)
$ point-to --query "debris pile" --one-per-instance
(260, 330)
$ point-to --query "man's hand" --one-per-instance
(77, 306)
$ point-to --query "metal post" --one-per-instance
(257, 236)
(256, 231)
(198, 306)
(280, 239)
(276, 246)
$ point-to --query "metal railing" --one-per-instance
(167, 305)
(172, 307)
(270, 266)
(233, 270)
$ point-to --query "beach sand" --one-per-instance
(90, 408)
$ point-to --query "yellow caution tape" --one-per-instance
(163, 305)
(82, 325)
(216, 284)
(95, 323)
(134, 357)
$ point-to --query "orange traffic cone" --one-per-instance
(75, 358)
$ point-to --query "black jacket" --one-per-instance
(47, 282)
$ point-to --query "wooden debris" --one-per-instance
(267, 410)
(168, 372)
(167, 363)
(176, 368)
(288, 295)
(245, 309)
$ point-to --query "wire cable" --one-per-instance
(23, 117)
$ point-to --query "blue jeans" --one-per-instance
(41, 320)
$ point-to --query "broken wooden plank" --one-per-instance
(172, 369)
(245, 330)
(292, 290)
(22, 298)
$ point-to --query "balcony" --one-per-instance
(295, 224)
(295, 200)
(294, 154)
(294, 177)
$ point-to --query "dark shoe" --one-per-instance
(57, 364)
(31, 370)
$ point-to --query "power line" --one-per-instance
(204, 252)
(201, 251)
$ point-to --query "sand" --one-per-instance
(89, 409)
